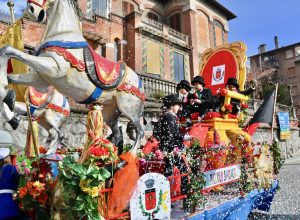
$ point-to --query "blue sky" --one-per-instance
(19, 5)
(258, 21)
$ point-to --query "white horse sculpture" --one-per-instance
(49, 109)
(65, 61)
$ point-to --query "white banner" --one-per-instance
(222, 175)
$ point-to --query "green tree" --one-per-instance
(283, 94)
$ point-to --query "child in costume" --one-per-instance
(201, 100)
(166, 130)
(184, 89)
(233, 85)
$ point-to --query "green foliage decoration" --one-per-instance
(195, 155)
(81, 184)
(277, 157)
(245, 184)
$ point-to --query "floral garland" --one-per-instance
(195, 154)
(245, 184)
(151, 214)
(244, 113)
(278, 159)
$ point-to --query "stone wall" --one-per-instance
(288, 147)
(74, 130)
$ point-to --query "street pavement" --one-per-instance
(286, 204)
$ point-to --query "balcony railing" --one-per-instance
(162, 30)
(177, 34)
(156, 88)
(153, 23)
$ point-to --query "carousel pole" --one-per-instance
(11, 5)
(31, 127)
(274, 111)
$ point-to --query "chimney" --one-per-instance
(276, 42)
(262, 48)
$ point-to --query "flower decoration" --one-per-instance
(103, 150)
(23, 165)
(35, 183)
(244, 105)
(159, 155)
(228, 107)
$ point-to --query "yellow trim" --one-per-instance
(238, 49)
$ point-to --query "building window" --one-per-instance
(297, 51)
(178, 67)
(152, 16)
(153, 57)
(218, 33)
(175, 22)
(102, 50)
(291, 72)
(127, 8)
(266, 58)
(289, 54)
(99, 5)
(117, 50)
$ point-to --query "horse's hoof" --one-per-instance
(14, 122)
(10, 99)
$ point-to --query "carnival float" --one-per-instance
(94, 181)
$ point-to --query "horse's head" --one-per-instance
(36, 9)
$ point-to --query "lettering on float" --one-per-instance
(222, 175)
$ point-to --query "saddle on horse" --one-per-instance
(102, 72)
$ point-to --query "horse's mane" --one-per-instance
(76, 8)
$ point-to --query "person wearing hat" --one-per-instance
(232, 85)
(8, 185)
(166, 131)
(184, 89)
(201, 100)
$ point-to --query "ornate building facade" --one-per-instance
(160, 39)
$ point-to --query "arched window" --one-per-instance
(102, 50)
(117, 50)
(175, 21)
(152, 16)
(218, 33)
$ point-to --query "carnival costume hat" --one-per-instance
(184, 84)
(4, 152)
(170, 100)
(232, 81)
(198, 79)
